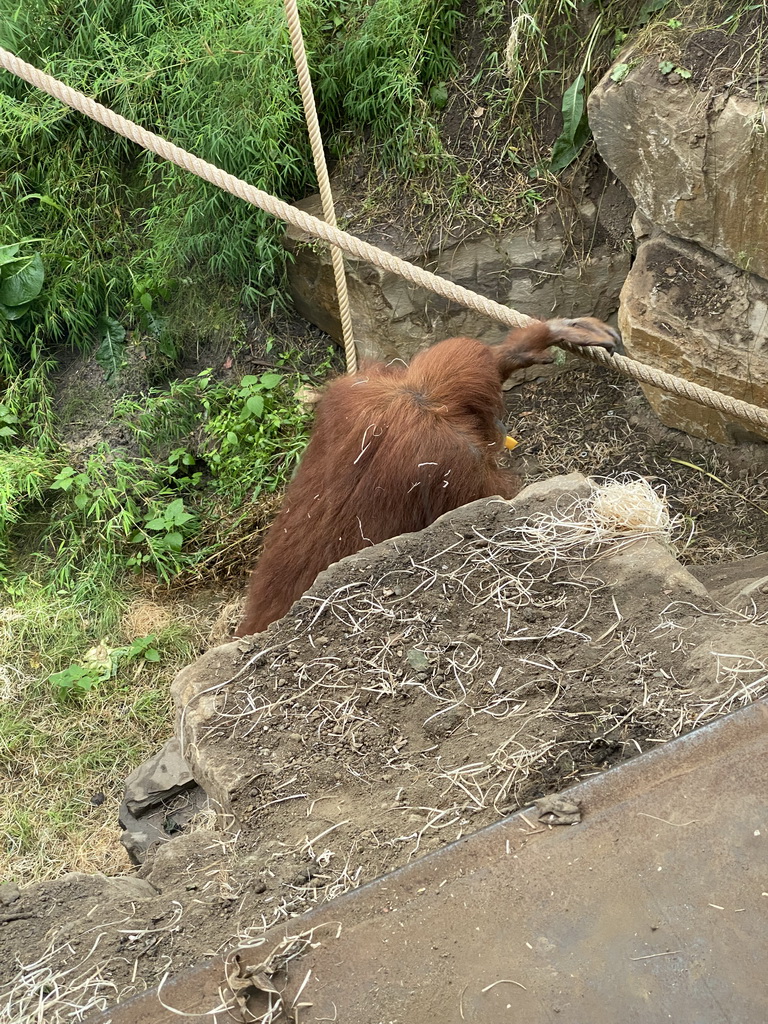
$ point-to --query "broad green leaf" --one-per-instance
(575, 127)
(649, 8)
(573, 108)
(76, 677)
(270, 380)
(255, 405)
(109, 354)
(45, 200)
(14, 312)
(63, 480)
(438, 94)
(24, 285)
(8, 253)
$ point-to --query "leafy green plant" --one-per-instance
(25, 475)
(649, 8)
(103, 663)
(21, 280)
(667, 67)
(388, 61)
(544, 54)
(68, 479)
(575, 131)
(8, 422)
(27, 401)
(246, 437)
(256, 436)
(162, 536)
(169, 414)
(144, 647)
(110, 353)
(78, 679)
(181, 463)
(124, 232)
(128, 510)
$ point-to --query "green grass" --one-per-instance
(80, 705)
(48, 746)
(60, 749)
(123, 233)
(57, 754)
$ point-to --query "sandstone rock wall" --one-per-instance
(694, 158)
(533, 270)
(695, 303)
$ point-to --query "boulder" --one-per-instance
(199, 692)
(161, 799)
(685, 311)
(741, 585)
(241, 712)
(694, 159)
(531, 269)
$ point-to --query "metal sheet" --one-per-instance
(654, 908)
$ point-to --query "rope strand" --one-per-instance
(323, 181)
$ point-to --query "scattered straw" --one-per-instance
(144, 617)
(536, 584)
(503, 981)
(632, 505)
(675, 824)
(652, 956)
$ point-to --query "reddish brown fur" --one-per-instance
(392, 449)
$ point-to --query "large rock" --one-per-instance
(242, 716)
(741, 585)
(198, 692)
(695, 303)
(694, 160)
(532, 270)
(685, 311)
(161, 799)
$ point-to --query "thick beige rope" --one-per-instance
(237, 187)
(323, 181)
(362, 250)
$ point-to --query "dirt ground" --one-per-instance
(591, 421)
(443, 694)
